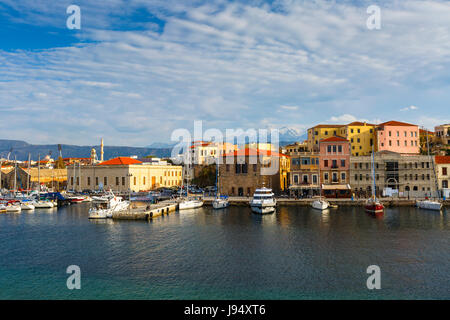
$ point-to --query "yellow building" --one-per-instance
(123, 174)
(323, 131)
(362, 136)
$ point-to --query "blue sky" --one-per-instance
(139, 69)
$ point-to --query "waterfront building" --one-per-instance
(399, 137)
(334, 163)
(304, 174)
(203, 153)
(51, 179)
(244, 170)
(295, 148)
(123, 174)
(443, 174)
(362, 136)
(396, 174)
(443, 134)
(323, 131)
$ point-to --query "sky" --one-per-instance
(137, 70)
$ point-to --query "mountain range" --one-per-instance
(21, 149)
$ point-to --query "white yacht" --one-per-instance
(27, 205)
(430, 205)
(13, 207)
(104, 207)
(2, 207)
(43, 204)
(263, 201)
(320, 204)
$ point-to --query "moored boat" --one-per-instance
(373, 205)
(429, 205)
(263, 201)
(320, 204)
(104, 207)
(190, 203)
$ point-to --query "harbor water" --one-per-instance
(297, 253)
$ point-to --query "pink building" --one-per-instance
(398, 137)
(334, 162)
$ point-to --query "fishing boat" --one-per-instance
(104, 207)
(427, 203)
(263, 201)
(219, 202)
(373, 205)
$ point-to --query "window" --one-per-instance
(340, 149)
(88, 181)
(71, 180)
(325, 163)
(444, 184)
(390, 143)
(144, 179)
(123, 181)
(334, 149)
(326, 133)
(356, 177)
(325, 176)
(335, 177)
(334, 164)
(105, 181)
(314, 178)
(343, 163)
(295, 178)
(444, 171)
(329, 149)
(359, 140)
(343, 176)
(359, 130)
(96, 181)
(135, 180)
(117, 181)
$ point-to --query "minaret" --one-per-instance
(101, 151)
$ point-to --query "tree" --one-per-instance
(206, 176)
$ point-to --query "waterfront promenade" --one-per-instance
(387, 202)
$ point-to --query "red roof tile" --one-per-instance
(397, 123)
(255, 152)
(120, 161)
(334, 139)
(442, 159)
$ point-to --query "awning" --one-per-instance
(336, 187)
(304, 186)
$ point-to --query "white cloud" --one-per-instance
(225, 63)
(410, 108)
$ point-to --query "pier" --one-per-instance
(146, 212)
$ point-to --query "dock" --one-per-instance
(146, 212)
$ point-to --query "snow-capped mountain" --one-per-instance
(288, 135)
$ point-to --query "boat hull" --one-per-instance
(221, 204)
(190, 205)
(374, 208)
(429, 205)
(320, 205)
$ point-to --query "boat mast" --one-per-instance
(79, 174)
(373, 175)
(15, 175)
(431, 167)
(318, 170)
(39, 174)
(29, 174)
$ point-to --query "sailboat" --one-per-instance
(190, 202)
(429, 204)
(321, 203)
(373, 205)
(27, 204)
(219, 202)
